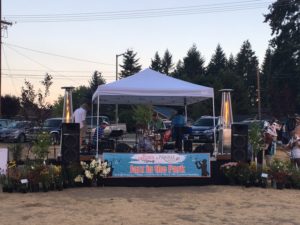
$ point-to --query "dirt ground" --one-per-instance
(164, 205)
(149, 205)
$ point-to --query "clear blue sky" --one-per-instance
(206, 23)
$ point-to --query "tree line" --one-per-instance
(279, 75)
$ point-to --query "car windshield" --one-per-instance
(16, 125)
(52, 123)
(205, 122)
(3, 123)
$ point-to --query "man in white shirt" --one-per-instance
(79, 116)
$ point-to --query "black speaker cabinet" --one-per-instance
(70, 143)
(188, 145)
(239, 142)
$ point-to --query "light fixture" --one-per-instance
(227, 119)
(68, 105)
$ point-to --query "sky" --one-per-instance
(70, 39)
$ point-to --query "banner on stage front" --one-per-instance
(159, 165)
(3, 160)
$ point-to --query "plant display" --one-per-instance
(279, 171)
(41, 146)
(16, 151)
(93, 171)
(229, 170)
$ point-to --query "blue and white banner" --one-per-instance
(159, 165)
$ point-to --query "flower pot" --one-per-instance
(34, 188)
(280, 185)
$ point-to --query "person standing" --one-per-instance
(79, 116)
(178, 123)
(294, 146)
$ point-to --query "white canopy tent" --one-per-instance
(151, 88)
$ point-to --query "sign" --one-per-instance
(158, 165)
(3, 160)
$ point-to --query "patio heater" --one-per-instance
(68, 106)
(70, 132)
(226, 120)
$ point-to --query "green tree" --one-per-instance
(193, 65)
(246, 68)
(283, 19)
(266, 81)
(217, 63)
(230, 63)
(96, 80)
(167, 63)
(130, 64)
(11, 106)
(34, 105)
(156, 63)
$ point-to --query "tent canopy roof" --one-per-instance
(151, 87)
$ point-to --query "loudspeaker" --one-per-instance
(239, 142)
(70, 143)
(123, 147)
(188, 145)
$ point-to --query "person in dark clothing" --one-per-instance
(178, 123)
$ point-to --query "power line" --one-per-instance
(38, 63)
(147, 13)
(11, 79)
(39, 75)
(61, 71)
(57, 55)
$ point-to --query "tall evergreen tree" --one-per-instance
(246, 68)
(230, 63)
(178, 71)
(217, 63)
(283, 19)
(96, 80)
(193, 65)
(156, 63)
(130, 64)
(167, 63)
(266, 82)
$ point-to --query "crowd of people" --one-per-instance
(287, 134)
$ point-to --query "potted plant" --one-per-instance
(230, 172)
(41, 145)
(279, 173)
(16, 151)
(93, 172)
(256, 141)
(7, 184)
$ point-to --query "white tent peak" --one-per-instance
(151, 87)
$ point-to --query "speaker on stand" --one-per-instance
(239, 142)
(70, 143)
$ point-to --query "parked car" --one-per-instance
(202, 130)
(4, 123)
(17, 131)
(53, 127)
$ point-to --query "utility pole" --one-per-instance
(117, 75)
(258, 94)
(3, 24)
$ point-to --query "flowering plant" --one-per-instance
(93, 170)
(229, 170)
(279, 171)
